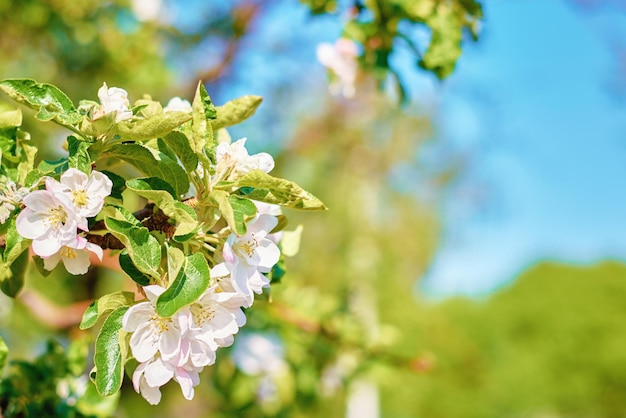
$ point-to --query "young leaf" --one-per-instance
(235, 210)
(278, 191)
(151, 127)
(153, 164)
(179, 143)
(202, 111)
(105, 305)
(156, 190)
(78, 155)
(127, 265)
(51, 102)
(119, 184)
(143, 248)
(290, 244)
(236, 111)
(192, 280)
(108, 358)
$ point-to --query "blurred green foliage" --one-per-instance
(552, 344)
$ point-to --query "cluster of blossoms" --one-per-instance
(213, 209)
(53, 218)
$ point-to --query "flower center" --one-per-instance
(159, 325)
(79, 197)
(248, 247)
(57, 216)
(67, 252)
(202, 315)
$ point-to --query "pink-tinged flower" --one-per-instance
(87, 193)
(340, 59)
(176, 104)
(151, 375)
(152, 334)
(235, 157)
(49, 219)
(75, 256)
(246, 257)
(217, 316)
(113, 99)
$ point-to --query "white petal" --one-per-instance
(74, 179)
(153, 292)
(49, 263)
(169, 344)
(30, 224)
(78, 264)
(186, 383)
(46, 246)
(150, 394)
(269, 254)
(143, 343)
(157, 373)
(137, 315)
(263, 225)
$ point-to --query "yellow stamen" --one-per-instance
(56, 216)
(79, 197)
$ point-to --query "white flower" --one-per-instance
(151, 375)
(49, 219)
(176, 104)
(113, 99)
(246, 257)
(340, 59)
(75, 256)
(152, 333)
(235, 157)
(87, 193)
(217, 316)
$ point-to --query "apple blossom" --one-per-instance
(152, 334)
(151, 375)
(246, 257)
(340, 59)
(234, 159)
(75, 256)
(113, 99)
(87, 193)
(49, 219)
(176, 104)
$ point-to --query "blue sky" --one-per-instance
(529, 109)
(545, 139)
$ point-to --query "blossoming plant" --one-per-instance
(207, 240)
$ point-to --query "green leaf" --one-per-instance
(156, 190)
(51, 102)
(4, 353)
(127, 265)
(119, 184)
(445, 45)
(175, 260)
(235, 210)
(192, 280)
(236, 111)
(108, 357)
(78, 155)
(179, 143)
(92, 404)
(105, 305)
(202, 111)
(278, 191)
(143, 248)
(151, 127)
(13, 279)
(153, 164)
